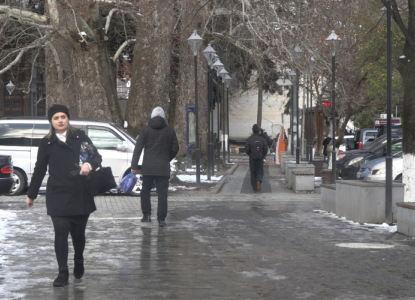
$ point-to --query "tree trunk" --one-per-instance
(259, 114)
(150, 79)
(407, 71)
(163, 71)
(81, 74)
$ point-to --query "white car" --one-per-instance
(20, 138)
(376, 169)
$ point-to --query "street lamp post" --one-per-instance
(195, 40)
(309, 107)
(218, 67)
(223, 74)
(209, 52)
(294, 79)
(334, 40)
(227, 84)
(388, 187)
(10, 88)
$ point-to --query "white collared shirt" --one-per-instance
(62, 136)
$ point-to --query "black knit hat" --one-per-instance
(55, 108)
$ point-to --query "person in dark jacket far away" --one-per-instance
(66, 150)
(160, 146)
(268, 140)
(326, 142)
(256, 147)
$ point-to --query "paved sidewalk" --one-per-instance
(230, 245)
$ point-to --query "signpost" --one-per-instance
(382, 121)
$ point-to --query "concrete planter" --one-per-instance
(363, 201)
(303, 181)
(328, 197)
(284, 160)
(406, 218)
(290, 167)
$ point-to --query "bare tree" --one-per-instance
(74, 38)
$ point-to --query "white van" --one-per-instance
(20, 138)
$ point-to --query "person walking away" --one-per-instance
(160, 146)
(326, 141)
(68, 201)
(256, 147)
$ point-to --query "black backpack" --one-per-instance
(256, 149)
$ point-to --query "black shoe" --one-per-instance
(62, 279)
(162, 224)
(146, 218)
(78, 270)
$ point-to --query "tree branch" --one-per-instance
(117, 54)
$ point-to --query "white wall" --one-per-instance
(243, 114)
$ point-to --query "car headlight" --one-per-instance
(379, 171)
(341, 156)
(355, 160)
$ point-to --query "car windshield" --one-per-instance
(125, 133)
(375, 143)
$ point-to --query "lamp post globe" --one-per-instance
(10, 88)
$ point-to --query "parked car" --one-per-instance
(21, 137)
(376, 169)
(395, 129)
(368, 146)
(352, 165)
(6, 174)
(362, 135)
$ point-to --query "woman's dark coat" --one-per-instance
(65, 196)
(160, 146)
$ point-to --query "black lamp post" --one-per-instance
(227, 84)
(388, 187)
(294, 79)
(223, 74)
(218, 67)
(310, 138)
(209, 52)
(334, 40)
(10, 88)
(195, 40)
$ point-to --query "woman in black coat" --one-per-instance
(70, 155)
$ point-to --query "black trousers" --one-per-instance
(256, 168)
(74, 225)
(162, 186)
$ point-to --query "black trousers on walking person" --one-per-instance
(75, 225)
(256, 167)
(162, 186)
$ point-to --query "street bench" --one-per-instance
(406, 218)
(303, 181)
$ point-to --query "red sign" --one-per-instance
(379, 121)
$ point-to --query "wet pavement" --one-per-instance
(230, 245)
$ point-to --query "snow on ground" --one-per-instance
(382, 227)
(203, 178)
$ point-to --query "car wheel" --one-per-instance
(19, 183)
(138, 186)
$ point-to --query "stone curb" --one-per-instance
(219, 185)
(231, 170)
(222, 181)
